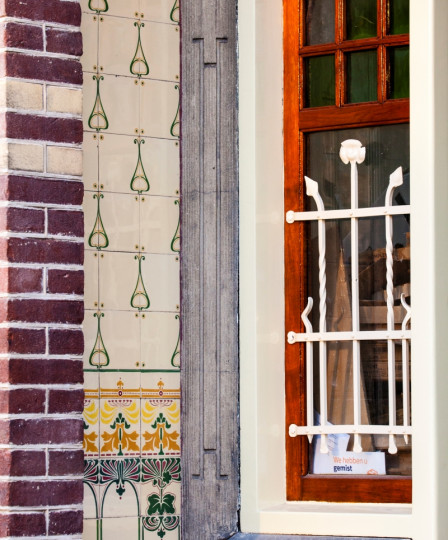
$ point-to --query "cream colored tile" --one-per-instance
(118, 157)
(121, 528)
(120, 504)
(90, 504)
(90, 527)
(163, 386)
(160, 10)
(159, 218)
(121, 336)
(120, 99)
(160, 474)
(161, 278)
(91, 288)
(161, 47)
(118, 8)
(161, 161)
(160, 341)
(118, 278)
(120, 214)
(93, 229)
(89, 95)
(159, 103)
(95, 352)
(89, 29)
(117, 43)
(90, 157)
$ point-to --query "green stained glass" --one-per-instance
(361, 76)
(320, 81)
(398, 16)
(361, 19)
(319, 21)
(399, 72)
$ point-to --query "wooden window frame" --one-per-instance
(300, 485)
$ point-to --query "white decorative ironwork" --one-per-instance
(353, 153)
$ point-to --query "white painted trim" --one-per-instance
(264, 508)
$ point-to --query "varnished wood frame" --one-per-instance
(297, 121)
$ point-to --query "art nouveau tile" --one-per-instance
(161, 161)
(91, 418)
(159, 103)
(92, 492)
(160, 43)
(118, 8)
(160, 427)
(160, 10)
(120, 385)
(118, 279)
(89, 29)
(105, 108)
(161, 278)
(90, 157)
(160, 341)
(120, 492)
(118, 155)
(89, 91)
(120, 528)
(90, 529)
(117, 43)
(120, 427)
(91, 279)
(120, 215)
(159, 218)
(120, 334)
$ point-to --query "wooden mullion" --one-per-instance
(301, 21)
(354, 45)
(382, 74)
(379, 18)
(354, 115)
(340, 78)
(339, 21)
(295, 390)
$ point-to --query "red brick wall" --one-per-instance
(41, 273)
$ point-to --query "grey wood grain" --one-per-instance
(243, 536)
(209, 270)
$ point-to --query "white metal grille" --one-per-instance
(352, 152)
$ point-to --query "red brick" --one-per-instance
(65, 522)
(66, 462)
(27, 66)
(40, 250)
(21, 36)
(65, 282)
(66, 223)
(22, 280)
(22, 341)
(24, 524)
(22, 401)
(51, 10)
(61, 41)
(34, 371)
(41, 128)
(41, 431)
(22, 493)
(22, 462)
(66, 342)
(45, 311)
(22, 220)
(66, 401)
(28, 189)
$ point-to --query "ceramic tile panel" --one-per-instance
(132, 238)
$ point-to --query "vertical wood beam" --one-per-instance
(209, 270)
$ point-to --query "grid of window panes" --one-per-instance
(354, 51)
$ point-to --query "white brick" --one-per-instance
(21, 95)
(64, 100)
(63, 160)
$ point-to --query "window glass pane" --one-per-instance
(361, 19)
(320, 81)
(387, 147)
(319, 21)
(398, 16)
(399, 72)
(361, 76)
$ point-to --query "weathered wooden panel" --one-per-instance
(242, 536)
(209, 270)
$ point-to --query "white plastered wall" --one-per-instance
(264, 508)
